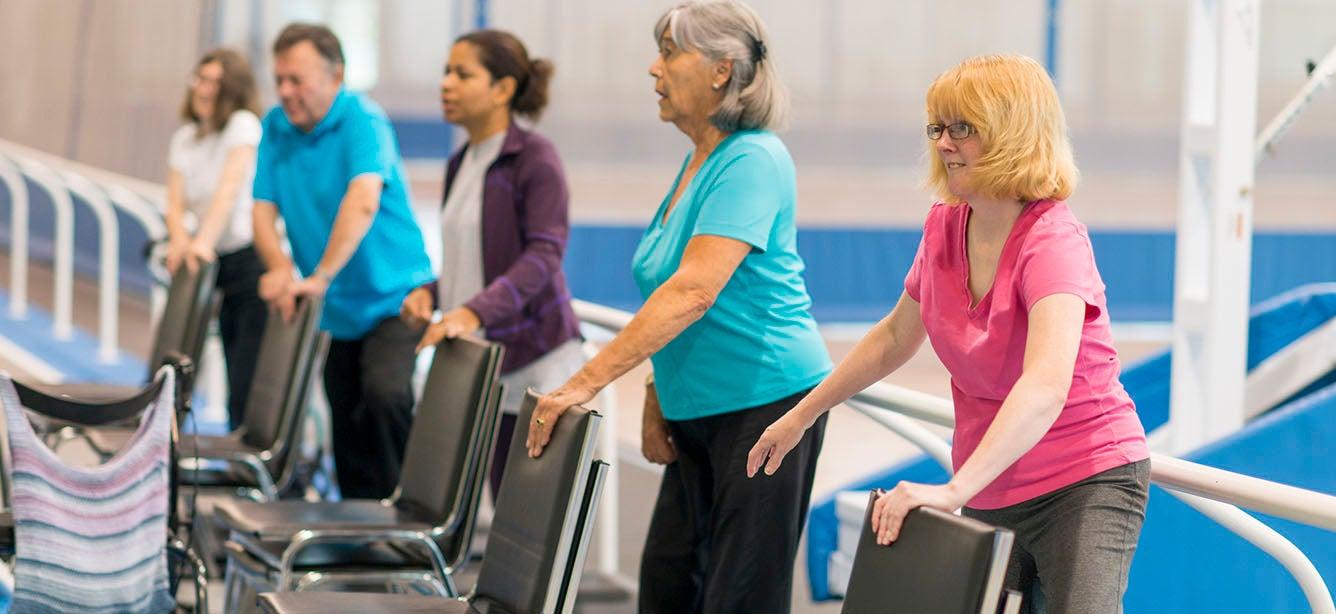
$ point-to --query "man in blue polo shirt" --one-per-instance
(329, 166)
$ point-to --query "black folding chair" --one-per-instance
(536, 548)
(420, 535)
(940, 563)
(260, 456)
(179, 339)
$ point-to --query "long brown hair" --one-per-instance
(236, 90)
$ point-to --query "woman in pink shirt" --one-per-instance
(1047, 443)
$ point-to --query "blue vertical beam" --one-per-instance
(480, 15)
(1050, 40)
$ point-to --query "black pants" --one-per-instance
(369, 385)
(240, 325)
(720, 542)
(1074, 546)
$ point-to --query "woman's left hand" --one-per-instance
(198, 253)
(550, 408)
(888, 513)
(457, 322)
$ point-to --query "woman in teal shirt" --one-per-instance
(726, 323)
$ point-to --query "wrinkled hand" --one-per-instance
(888, 513)
(656, 440)
(417, 308)
(775, 443)
(550, 409)
(277, 288)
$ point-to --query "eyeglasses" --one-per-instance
(958, 131)
(195, 80)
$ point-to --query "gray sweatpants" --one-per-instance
(1074, 545)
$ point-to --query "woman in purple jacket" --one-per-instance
(504, 225)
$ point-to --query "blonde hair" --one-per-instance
(1011, 102)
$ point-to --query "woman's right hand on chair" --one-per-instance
(656, 440)
(417, 308)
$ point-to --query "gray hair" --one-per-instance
(731, 30)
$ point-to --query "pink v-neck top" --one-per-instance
(983, 347)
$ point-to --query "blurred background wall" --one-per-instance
(100, 81)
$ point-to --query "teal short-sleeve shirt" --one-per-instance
(306, 174)
(758, 342)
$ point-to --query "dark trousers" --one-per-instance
(240, 325)
(369, 385)
(1074, 545)
(720, 542)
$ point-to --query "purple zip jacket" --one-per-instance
(525, 304)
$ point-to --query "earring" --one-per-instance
(715, 87)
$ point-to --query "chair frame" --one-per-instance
(282, 573)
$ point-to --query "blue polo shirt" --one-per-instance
(758, 343)
(306, 175)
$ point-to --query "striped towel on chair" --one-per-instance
(90, 540)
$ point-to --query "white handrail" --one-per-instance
(108, 279)
(63, 256)
(911, 430)
(1271, 498)
(1270, 542)
(1274, 131)
(137, 206)
(1192, 482)
(137, 198)
(18, 239)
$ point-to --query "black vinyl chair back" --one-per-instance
(448, 428)
(65, 408)
(940, 563)
(282, 375)
(185, 316)
(535, 528)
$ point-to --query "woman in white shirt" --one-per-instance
(211, 164)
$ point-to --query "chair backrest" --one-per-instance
(456, 543)
(537, 527)
(940, 563)
(185, 316)
(282, 375)
(448, 429)
(583, 530)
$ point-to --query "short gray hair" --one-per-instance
(731, 30)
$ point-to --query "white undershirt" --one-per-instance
(461, 226)
(200, 162)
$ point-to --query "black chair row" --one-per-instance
(422, 532)
(536, 549)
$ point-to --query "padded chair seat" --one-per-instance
(314, 602)
(329, 558)
(280, 520)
